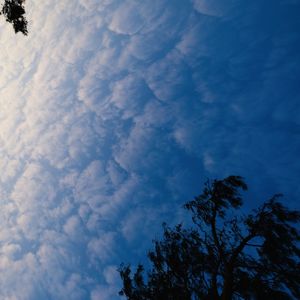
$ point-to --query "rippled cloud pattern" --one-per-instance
(113, 113)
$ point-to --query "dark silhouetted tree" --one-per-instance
(14, 11)
(225, 255)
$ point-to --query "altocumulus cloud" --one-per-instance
(112, 113)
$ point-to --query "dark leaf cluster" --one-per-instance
(14, 13)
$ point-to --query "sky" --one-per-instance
(113, 113)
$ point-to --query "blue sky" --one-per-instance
(113, 114)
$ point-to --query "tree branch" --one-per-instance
(253, 245)
(214, 232)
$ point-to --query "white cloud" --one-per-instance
(127, 18)
(101, 248)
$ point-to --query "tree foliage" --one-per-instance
(14, 11)
(225, 255)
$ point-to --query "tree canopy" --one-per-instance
(14, 11)
(226, 254)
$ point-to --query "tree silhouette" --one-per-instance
(225, 254)
(14, 12)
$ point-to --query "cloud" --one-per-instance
(113, 113)
(214, 8)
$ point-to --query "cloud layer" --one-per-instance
(113, 113)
